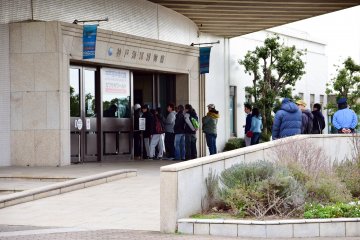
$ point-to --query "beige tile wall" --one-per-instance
(36, 99)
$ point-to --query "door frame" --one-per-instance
(82, 144)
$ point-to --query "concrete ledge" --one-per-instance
(292, 228)
(63, 187)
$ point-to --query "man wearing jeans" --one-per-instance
(247, 109)
(209, 128)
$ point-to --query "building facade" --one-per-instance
(55, 107)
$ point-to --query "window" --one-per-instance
(301, 95)
(116, 93)
(232, 110)
(74, 92)
(322, 100)
(312, 101)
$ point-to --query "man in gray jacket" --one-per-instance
(169, 123)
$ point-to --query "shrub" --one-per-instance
(337, 210)
(349, 170)
(308, 157)
(211, 198)
(327, 189)
(349, 173)
(265, 137)
(234, 143)
(261, 188)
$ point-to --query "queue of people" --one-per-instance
(294, 118)
(175, 134)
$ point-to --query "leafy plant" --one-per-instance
(337, 210)
(261, 188)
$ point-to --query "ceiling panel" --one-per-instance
(234, 18)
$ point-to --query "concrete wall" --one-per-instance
(136, 17)
(39, 126)
(4, 96)
(40, 55)
(182, 185)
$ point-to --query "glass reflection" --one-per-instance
(74, 92)
(116, 93)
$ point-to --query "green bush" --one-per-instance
(324, 188)
(349, 172)
(327, 189)
(234, 143)
(332, 211)
(261, 188)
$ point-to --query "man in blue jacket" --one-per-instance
(287, 120)
(345, 119)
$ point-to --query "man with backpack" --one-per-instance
(156, 139)
(307, 118)
(191, 119)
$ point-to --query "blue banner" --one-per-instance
(89, 41)
(204, 59)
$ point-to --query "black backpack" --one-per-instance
(309, 128)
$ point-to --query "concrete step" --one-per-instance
(33, 179)
(18, 185)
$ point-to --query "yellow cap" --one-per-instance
(301, 102)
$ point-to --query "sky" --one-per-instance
(340, 31)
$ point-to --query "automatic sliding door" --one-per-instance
(83, 127)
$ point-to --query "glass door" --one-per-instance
(83, 114)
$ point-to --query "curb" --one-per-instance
(64, 187)
(291, 228)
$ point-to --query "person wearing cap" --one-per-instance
(149, 125)
(209, 123)
(287, 121)
(307, 117)
(137, 132)
(344, 119)
(319, 120)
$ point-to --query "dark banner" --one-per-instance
(89, 41)
(204, 59)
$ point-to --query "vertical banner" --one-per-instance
(89, 41)
(204, 59)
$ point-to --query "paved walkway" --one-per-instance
(131, 203)
(124, 209)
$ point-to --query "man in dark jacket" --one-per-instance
(137, 132)
(149, 125)
(287, 120)
(307, 118)
(319, 120)
(247, 110)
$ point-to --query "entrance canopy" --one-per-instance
(231, 18)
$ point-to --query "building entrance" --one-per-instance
(83, 112)
(101, 100)
(156, 90)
